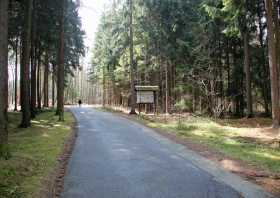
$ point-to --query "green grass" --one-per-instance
(226, 138)
(34, 153)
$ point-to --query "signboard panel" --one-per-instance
(145, 97)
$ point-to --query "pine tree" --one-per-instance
(25, 65)
(3, 77)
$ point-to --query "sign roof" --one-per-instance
(146, 88)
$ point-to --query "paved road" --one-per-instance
(118, 158)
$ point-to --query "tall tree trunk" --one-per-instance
(60, 73)
(33, 62)
(39, 103)
(228, 68)
(166, 89)
(274, 78)
(3, 77)
(247, 74)
(132, 65)
(162, 83)
(16, 76)
(264, 74)
(174, 81)
(25, 65)
(53, 85)
(236, 89)
(46, 81)
(103, 87)
(247, 67)
(33, 82)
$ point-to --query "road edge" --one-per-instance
(53, 185)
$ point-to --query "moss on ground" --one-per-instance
(34, 153)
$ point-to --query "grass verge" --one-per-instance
(227, 138)
(34, 153)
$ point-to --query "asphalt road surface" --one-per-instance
(117, 158)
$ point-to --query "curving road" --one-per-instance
(117, 158)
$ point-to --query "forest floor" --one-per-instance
(247, 147)
(34, 154)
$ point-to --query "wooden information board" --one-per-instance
(145, 97)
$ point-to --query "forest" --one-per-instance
(214, 58)
(213, 64)
(41, 45)
(218, 58)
